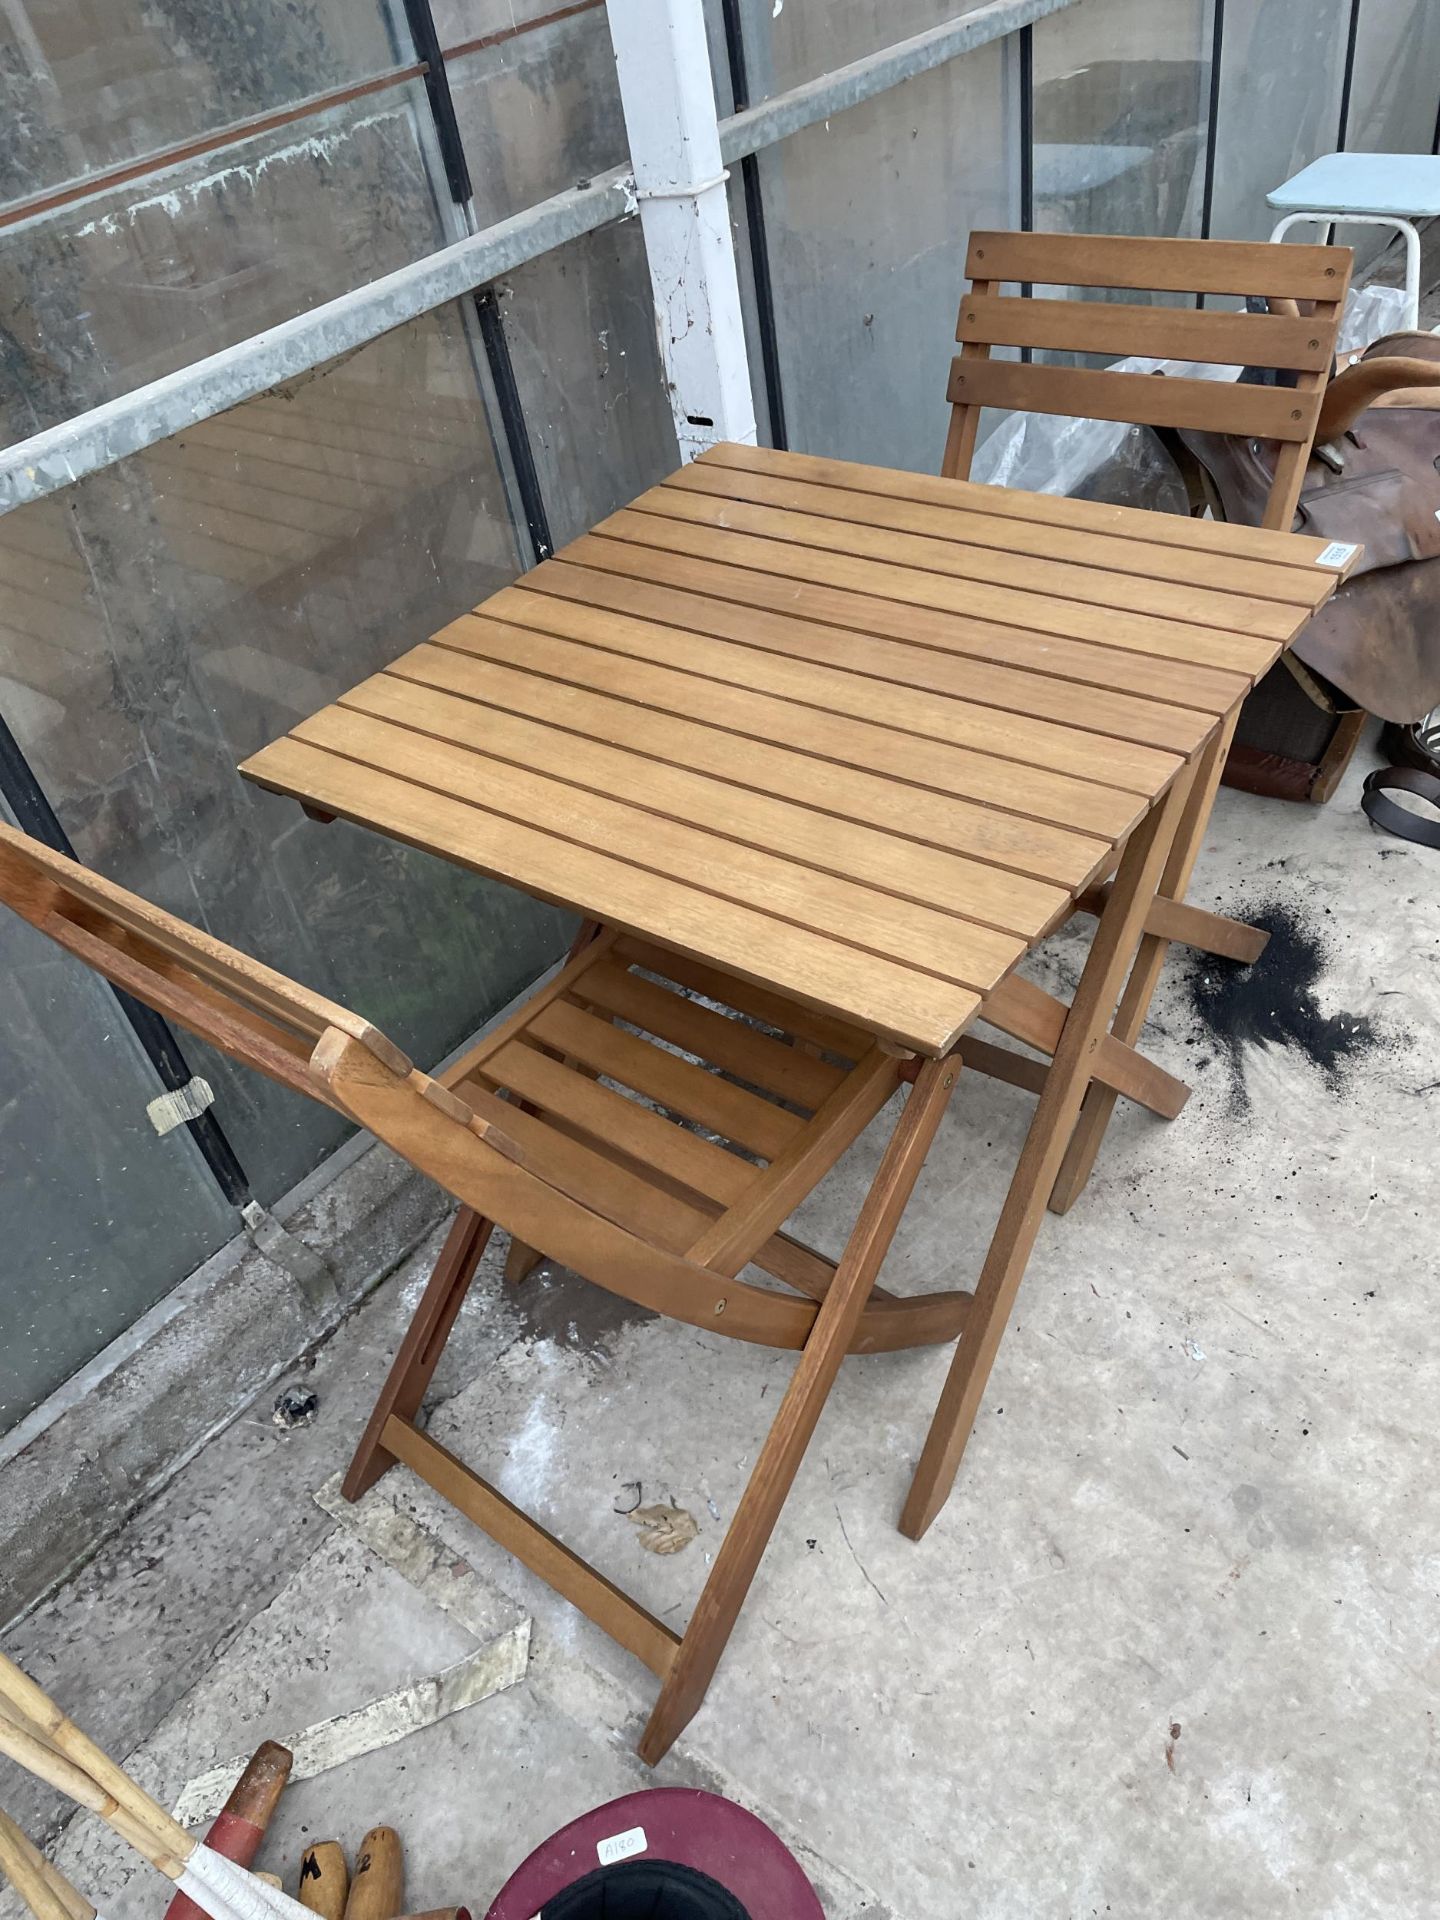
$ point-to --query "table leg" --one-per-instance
(1114, 945)
(1099, 1103)
(735, 1565)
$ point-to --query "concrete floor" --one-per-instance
(1172, 1647)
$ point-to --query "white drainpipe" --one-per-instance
(665, 87)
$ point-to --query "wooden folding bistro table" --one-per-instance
(831, 748)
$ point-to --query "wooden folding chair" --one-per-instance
(625, 1191)
(1304, 288)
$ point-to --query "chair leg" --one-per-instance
(1099, 1101)
(420, 1350)
(1113, 946)
(745, 1543)
(520, 1262)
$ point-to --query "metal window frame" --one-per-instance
(752, 194)
(1347, 84)
(98, 438)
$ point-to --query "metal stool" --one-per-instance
(1367, 190)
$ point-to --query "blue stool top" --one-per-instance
(1406, 184)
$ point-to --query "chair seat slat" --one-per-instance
(605, 1115)
(676, 1084)
(731, 1045)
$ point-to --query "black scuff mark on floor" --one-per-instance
(555, 1304)
(1275, 1003)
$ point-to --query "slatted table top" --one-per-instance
(857, 735)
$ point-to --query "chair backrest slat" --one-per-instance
(1148, 400)
(1164, 333)
(1239, 267)
(1304, 287)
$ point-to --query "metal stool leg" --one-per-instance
(1329, 216)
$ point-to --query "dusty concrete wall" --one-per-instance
(125, 1424)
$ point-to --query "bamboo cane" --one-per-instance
(18, 1844)
(27, 1750)
(38, 1884)
(73, 1901)
(39, 1737)
(169, 1844)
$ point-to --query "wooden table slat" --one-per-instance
(1220, 575)
(1087, 586)
(1212, 690)
(1283, 550)
(1036, 791)
(961, 951)
(1123, 716)
(1011, 735)
(1019, 845)
(847, 849)
(879, 994)
(917, 586)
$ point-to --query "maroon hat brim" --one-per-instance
(697, 1830)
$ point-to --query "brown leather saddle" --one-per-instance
(1372, 480)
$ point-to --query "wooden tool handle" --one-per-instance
(240, 1825)
(324, 1880)
(377, 1888)
(34, 1879)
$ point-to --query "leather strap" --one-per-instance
(1386, 813)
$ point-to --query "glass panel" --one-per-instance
(868, 220)
(1393, 91)
(1121, 102)
(802, 39)
(582, 330)
(169, 616)
(538, 109)
(95, 86)
(102, 1216)
(101, 297)
(1392, 95)
(1281, 73)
